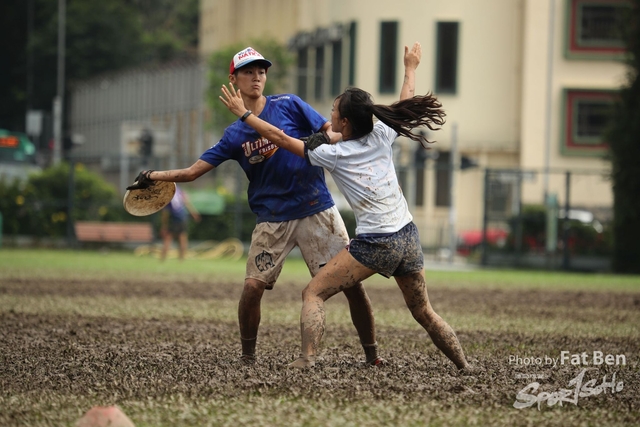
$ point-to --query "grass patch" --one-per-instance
(114, 264)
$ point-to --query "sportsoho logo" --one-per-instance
(578, 387)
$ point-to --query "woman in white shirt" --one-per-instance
(361, 164)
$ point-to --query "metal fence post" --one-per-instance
(565, 224)
(485, 218)
(70, 198)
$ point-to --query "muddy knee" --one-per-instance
(424, 314)
(306, 294)
(254, 288)
(313, 293)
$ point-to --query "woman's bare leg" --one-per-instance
(414, 290)
(341, 273)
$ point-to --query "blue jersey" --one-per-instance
(282, 186)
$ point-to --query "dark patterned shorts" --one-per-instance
(177, 227)
(397, 254)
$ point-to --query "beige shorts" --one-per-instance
(320, 237)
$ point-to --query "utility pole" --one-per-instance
(549, 97)
(453, 162)
(58, 102)
(29, 55)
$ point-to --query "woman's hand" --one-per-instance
(412, 57)
(411, 61)
(233, 101)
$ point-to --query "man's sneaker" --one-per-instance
(247, 359)
(378, 361)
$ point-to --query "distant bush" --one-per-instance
(240, 219)
(582, 238)
(39, 206)
(233, 221)
(11, 200)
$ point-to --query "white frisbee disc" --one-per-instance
(149, 200)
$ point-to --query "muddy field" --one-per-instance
(109, 360)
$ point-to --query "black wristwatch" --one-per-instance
(245, 115)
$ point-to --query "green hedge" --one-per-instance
(38, 207)
(583, 239)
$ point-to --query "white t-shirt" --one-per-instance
(364, 172)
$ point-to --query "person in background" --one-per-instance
(387, 240)
(174, 223)
(146, 146)
(290, 198)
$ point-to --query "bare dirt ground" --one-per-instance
(136, 359)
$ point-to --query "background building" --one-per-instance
(526, 84)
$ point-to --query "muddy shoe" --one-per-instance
(302, 363)
(247, 359)
(378, 361)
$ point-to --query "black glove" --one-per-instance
(315, 140)
(142, 181)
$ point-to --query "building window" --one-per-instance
(388, 55)
(420, 178)
(443, 179)
(303, 64)
(595, 28)
(500, 194)
(447, 57)
(419, 160)
(353, 32)
(336, 68)
(320, 58)
(588, 115)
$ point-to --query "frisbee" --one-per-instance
(149, 200)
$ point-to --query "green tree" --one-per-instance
(625, 157)
(170, 27)
(101, 36)
(13, 82)
(219, 75)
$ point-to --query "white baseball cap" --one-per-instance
(245, 57)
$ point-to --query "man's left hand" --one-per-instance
(142, 181)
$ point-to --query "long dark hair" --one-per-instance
(402, 116)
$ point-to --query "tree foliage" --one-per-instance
(101, 36)
(219, 75)
(625, 157)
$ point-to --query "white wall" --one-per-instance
(501, 105)
(542, 109)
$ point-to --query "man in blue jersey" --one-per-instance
(289, 197)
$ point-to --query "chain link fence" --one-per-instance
(565, 226)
